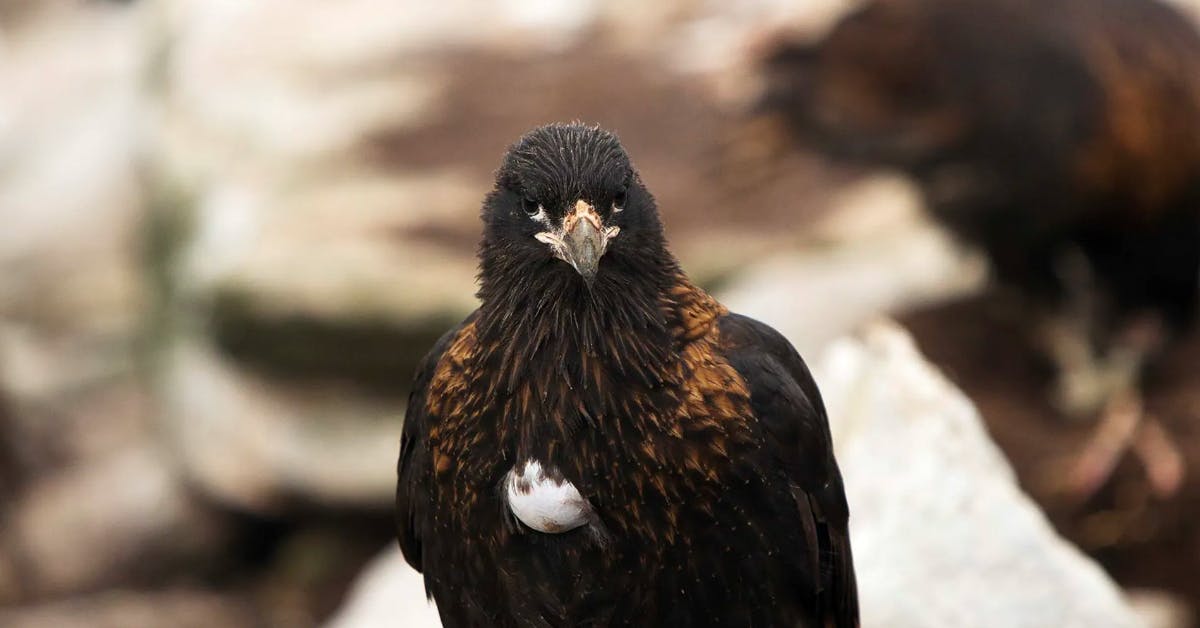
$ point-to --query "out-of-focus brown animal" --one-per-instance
(1062, 137)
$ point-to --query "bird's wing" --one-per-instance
(412, 489)
(788, 407)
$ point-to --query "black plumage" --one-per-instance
(1033, 126)
(697, 437)
(1062, 137)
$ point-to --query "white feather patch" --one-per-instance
(543, 503)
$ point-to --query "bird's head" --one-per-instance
(878, 88)
(573, 266)
(568, 203)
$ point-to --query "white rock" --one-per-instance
(340, 250)
(247, 442)
(942, 534)
(389, 593)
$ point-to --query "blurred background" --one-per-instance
(229, 230)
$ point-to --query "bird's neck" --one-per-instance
(626, 331)
(568, 371)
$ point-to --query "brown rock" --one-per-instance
(130, 609)
(124, 519)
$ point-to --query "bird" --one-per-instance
(1061, 137)
(601, 442)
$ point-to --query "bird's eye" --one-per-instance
(619, 201)
(531, 206)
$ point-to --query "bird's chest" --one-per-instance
(600, 507)
(625, 471)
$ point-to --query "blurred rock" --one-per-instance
(71, 292)
(875, 253)
(389, 593)
(346, 250)
(308, 283)
(73, 397)
(281, 86)
(262, 445)
(268, 107)
(721, 37)
(128, 609)
(1189, 7)
(1160, 609)
(125, 519)
(95, 502)
(942, 534)
(69, 197)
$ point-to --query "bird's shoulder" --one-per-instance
(784, 399)
(441, 375)
(790, 414)
(765, 354)
(434, 380)
(744, 379)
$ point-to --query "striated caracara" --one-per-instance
(602, 443)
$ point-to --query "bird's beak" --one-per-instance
(582, 241)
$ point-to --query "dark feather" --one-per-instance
(1036, 128)
(788, 406)
(411, 496)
